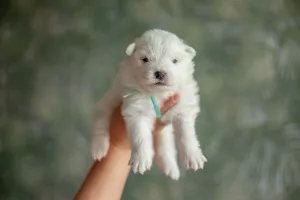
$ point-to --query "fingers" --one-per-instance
(172, 101)
(168, 104)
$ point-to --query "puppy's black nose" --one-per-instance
(160, 75)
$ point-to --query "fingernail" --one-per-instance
(172, 99)
(175, 98)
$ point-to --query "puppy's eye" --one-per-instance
(174, 61)
(145, 59)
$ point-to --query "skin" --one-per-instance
(107, 178)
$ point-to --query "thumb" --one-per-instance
(168, 104)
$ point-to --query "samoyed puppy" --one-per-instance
(158, 64)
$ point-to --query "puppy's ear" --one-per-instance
(190, 50)
(130, 49)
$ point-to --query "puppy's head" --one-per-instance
(158, 61)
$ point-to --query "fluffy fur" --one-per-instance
(157, 63)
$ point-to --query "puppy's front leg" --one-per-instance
(139, 129)
(100, 131)
(165, 152)
(189, 146)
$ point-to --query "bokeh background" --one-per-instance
(58, 57)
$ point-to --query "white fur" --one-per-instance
(160, 47)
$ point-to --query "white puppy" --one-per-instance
(159, 64)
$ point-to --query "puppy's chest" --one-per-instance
(143, 104)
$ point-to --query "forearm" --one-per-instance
(107, 178)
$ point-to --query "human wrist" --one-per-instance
(119, 151)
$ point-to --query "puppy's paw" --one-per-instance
(100, 146)
(194, 159)
(172, 171)
(141, 161)
(168, 166)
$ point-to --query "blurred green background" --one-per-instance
(58, 57)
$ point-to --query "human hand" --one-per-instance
(118, 134)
